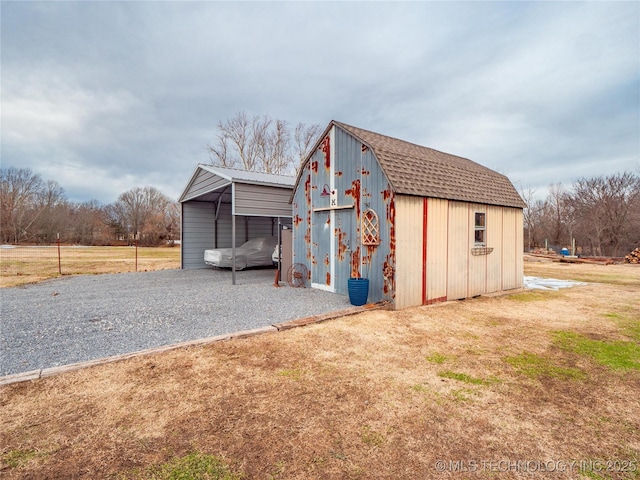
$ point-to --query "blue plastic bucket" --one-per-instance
(358, 291)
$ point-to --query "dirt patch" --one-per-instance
(377, 395)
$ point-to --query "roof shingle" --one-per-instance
(416, 170)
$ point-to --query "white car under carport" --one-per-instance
(256, 252)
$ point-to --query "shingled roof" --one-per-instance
(416, 170)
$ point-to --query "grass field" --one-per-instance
(537, 384)
(22, 265)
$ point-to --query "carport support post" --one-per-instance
(233, 249)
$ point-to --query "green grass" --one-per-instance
(194, 466)
(292, 373)
(534, 295)
(437, 358)
(537, 366)
(463, 377)
(15, 458)
(615, 354)
(370, 437)
(629, 321)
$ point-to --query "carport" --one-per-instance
(224, 207)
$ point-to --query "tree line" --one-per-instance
(601, 213)
(37, 211)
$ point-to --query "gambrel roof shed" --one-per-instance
(416, 170)
(421, 225)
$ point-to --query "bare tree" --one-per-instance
(261, 144)
(531, 215)
(139, 214)
(556, 215)
(607, 211)
(18, 189)
(304, 138)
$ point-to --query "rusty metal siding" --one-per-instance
(204, 182)
(379, 261)
(327, 238)
(359, 181)
(437, 212)
(409, 250)
(261, 200)
(321, 224)
(301, 224)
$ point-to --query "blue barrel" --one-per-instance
(358, 291)
(564, 252)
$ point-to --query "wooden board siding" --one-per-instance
(435, 262)
(437, 249)
(495, 241)
(457, 250)
(409, 254)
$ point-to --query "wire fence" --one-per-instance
(23, 264)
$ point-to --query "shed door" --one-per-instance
(322, 251)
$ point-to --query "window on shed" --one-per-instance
(480, 228)
(370, 228)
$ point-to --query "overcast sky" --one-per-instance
(103, 97)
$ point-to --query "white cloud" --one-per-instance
(130, 92)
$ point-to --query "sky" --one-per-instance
(103, 97)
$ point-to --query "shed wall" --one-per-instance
(198, 232)
(261, 200)
(435, 258)
(328, 239)
(409, 243)
(437, 249)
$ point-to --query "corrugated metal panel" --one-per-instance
(437, 249)
(409, 251)
(198, 233)
(477, 276)
(379, 262)
(203, 182)
(322, 184)
(302, 221)
(458, 250)
(329, 240)
(346, 182)
(495, 240)
(261, 200)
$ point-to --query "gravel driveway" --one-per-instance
(85, 317)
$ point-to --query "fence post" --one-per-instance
(136, 243)
(59, 262)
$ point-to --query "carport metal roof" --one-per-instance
(249, 193)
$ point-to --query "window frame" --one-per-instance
(480, 228)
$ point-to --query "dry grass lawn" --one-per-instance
(492, 386)
(22, 265)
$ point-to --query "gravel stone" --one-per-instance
(85, 317)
